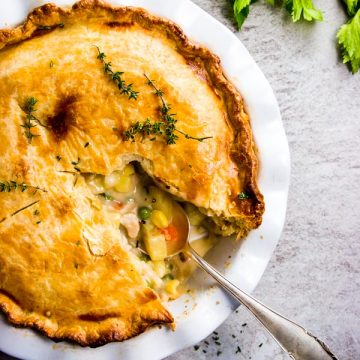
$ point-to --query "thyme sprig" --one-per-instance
(166, 126)
(19, 210)
(31, 121)
(116, 76)
(12, 186)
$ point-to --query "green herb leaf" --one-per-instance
(31, 121)
(11, 186)
(302, 9)
(44, 27)
(50, 27)
(75, 162)
(349, 40)
(117, 77)
(241, 11)
(352, 6)
(243, 196)
(106, 196)
(144, 257)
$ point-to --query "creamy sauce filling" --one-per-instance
(146, 215)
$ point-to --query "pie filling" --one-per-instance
(151, 222)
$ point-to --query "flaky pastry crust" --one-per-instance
(70, 275)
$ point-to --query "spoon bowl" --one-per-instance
(180, 222)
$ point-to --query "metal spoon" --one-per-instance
(297, 342)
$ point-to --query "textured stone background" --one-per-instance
(313, 276)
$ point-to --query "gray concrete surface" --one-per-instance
(313, 276)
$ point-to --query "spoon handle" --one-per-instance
(291, 337)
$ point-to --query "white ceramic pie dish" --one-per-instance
(199, 314)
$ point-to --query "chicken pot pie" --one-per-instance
(109, 117)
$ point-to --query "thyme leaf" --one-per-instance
(116, 77)
(75, 163)
(165, 127)
(50, 27)
(106, 196)
(243, 196)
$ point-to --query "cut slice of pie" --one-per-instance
(108, 116)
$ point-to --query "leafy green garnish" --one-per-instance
(11, 186)
(349, 40)
(352, 6)
(50, 27)
(30, 121)
(117, 77)
(243, 196)
(298, 9)
(241, 11)
(19, 210)
(144, 257)
(106, 196)
(303, 9)
(165, 127)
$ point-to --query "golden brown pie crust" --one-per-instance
(53, 277)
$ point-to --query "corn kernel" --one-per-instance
(129, 170)
(163, 202)
(159, 219)
(171, 287)
(124, 184)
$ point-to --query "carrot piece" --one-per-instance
(171, 233)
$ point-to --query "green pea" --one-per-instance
(168, 277)
(144, 213)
